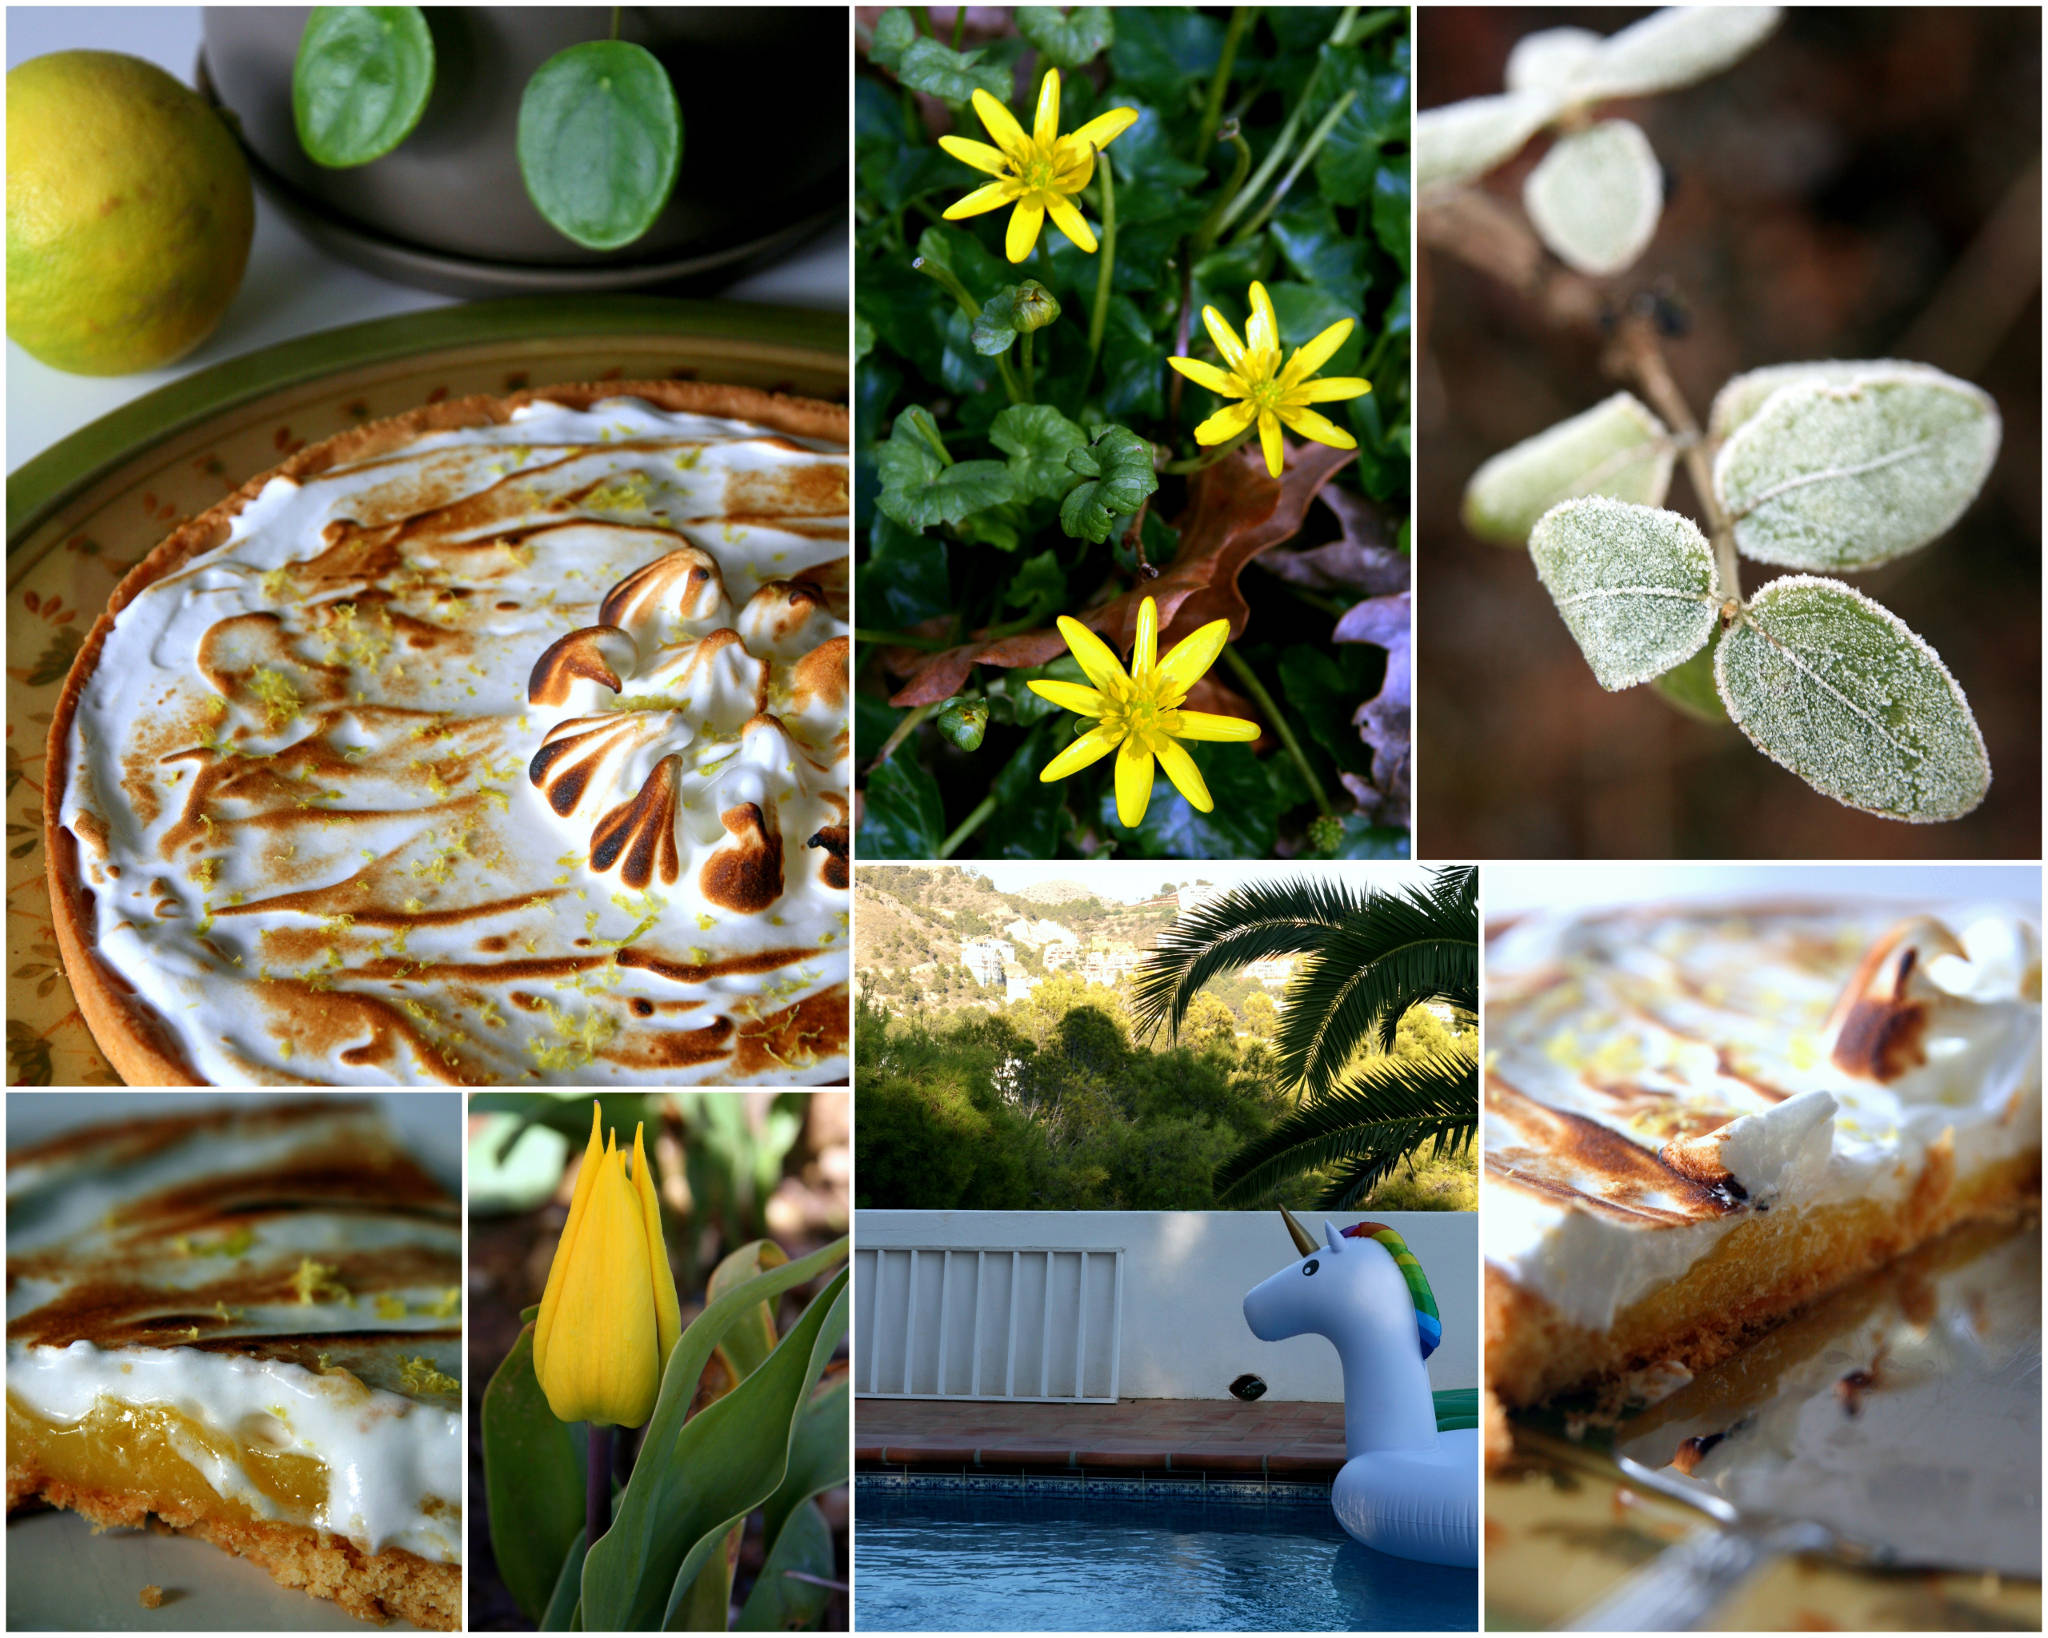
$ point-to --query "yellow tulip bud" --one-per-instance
(609, 1317)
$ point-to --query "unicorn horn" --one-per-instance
(1303, 1241)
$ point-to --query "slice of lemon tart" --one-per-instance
(502, 742)
(245, 1325)
(1698, 1120)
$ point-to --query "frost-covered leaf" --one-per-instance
(1462, 140)
(1635, 585)
(1741, 396)
(1836, 688)
(1690, 687)
(1617, 448)
(1844, 475)
(1596, 197)
(1551, 59)
(1681, 45)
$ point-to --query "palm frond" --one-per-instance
(1247, 924)
(1364, 1125)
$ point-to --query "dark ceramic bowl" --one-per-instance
(764, 99)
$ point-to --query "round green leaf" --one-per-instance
(1617, 448)
(1845, 475)
(600, 142)
(361, 81)
(1596, 196)
(1838, 689)
(1464, 140)
(1680, 45)
(1741, 396)
(1635, 585)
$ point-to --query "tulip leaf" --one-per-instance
(751, 1337)
(1038, 440)
(817, 1455)
(600, 142)
(1680, 45)
(1067, 41)
(533, 1479)
(360, 81)
(1596, 196)
(1116, 469)
(1464, 140)
(1617, 448)
(691, 1473)
(1635, 585)
(567, 1599)
(780, 1602)
(1837, 688)
(1844, 475)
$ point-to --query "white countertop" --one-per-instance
(292, 288)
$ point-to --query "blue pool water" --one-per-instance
(952, 1563)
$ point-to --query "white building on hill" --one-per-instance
(1040, 934)
(985, 958)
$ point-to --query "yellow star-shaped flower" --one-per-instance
(1139, 715)
(1271, 395)
(1038, 172)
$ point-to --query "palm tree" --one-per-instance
(1371, 955)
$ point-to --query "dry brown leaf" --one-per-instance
(1382, 721)
(1360, 561)
(1235, 511)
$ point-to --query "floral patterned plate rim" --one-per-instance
(86, 510)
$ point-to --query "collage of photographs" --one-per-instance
(1057, 819)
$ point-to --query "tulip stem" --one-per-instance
(1264, 701)
(597, 1495)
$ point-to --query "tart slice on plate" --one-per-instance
(245, 1325)
(504, 742)
(1699, 1120)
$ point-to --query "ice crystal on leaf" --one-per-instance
(1635, 585)
(1464, 140)
(1618, 448)
(1741, 396)
(1552, 59)
(1680, 45)
(1839, 690)
(1845, 475)
(1596, 196)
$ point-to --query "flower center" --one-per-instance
(1039, 171)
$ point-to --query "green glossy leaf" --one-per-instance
(902, 816)
(1116, 468)
(1375, 117)
(1595, 198)
(1837, 688)
(1846, 475)
(360, 82)
(1391, 210)
(1159, 49)
(1067, 41)
(600, 142)
(1010, 697)
(566, 1602)
(692, 1484)
(1635, 585)
(1680, 45)
(1462, 141)
(963, 722)
(1320, 252)
(1030, 814)
(1038, 440)
(1038, 588)
(919, 489)
(863, 338)
(1305, 312)
(780, 1602)
(533, 1478)
(1243, 825)
(905, 580)
(1617, 448)
(1365, 840)
(1322, 690)
(895, 29)
(1014, 310)
(1690, 687)
(951, 76)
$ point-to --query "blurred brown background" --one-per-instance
(1864, 185)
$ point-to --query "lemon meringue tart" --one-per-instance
(1700, 1119)
(245, 1325)
(503, 742)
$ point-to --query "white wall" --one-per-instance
(1185, 1277)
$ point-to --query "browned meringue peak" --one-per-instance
(1876, 1030)
(831, 841)
(580, 751)
(747, 875)
(599, 654)
(639, 837)
(785, 619)
(679, 594)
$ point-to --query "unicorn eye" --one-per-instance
(1310, 1266)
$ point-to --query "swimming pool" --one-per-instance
(944, 1562)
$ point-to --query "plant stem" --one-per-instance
(949, 281)
(1316, 139)
(899, 639)
(928, 430)
(615, 22)
(1198, 462)
(1212, 105)
(902, 731)
(1644, 358)
(1244, 674)
(1212, 224)
(968, 827)
(597, 1491)
(959, 25)
(1285, 139)
(1098, 319)
(1024, 363)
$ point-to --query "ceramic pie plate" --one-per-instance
(84, 512)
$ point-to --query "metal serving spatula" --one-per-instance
(1897, 1425)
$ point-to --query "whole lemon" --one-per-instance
(129, 213)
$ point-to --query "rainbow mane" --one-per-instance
(1430, 1327)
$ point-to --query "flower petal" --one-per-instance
(1194, 654)
(1091, 747)
(1070, 222)
(1314, 355)
(1104, 129)
(1145, 651)
(1025, 221)
(1072, 167)
(1069, 696)
(668, 1313)
(1208, 725)
(1133, 783)
(1225, 338)
(1311, 425)
(1002, 125)
(989, 196)
(1225, 424)
(1269, 441)
(1330, 389)
(601, 1364)
(978, 154)
(1208, 376)
(1045, 129)
(1262, 333)
(579, 1202)
(1186, 777)
(1097, 659)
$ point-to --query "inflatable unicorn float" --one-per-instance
(1405, 1488)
